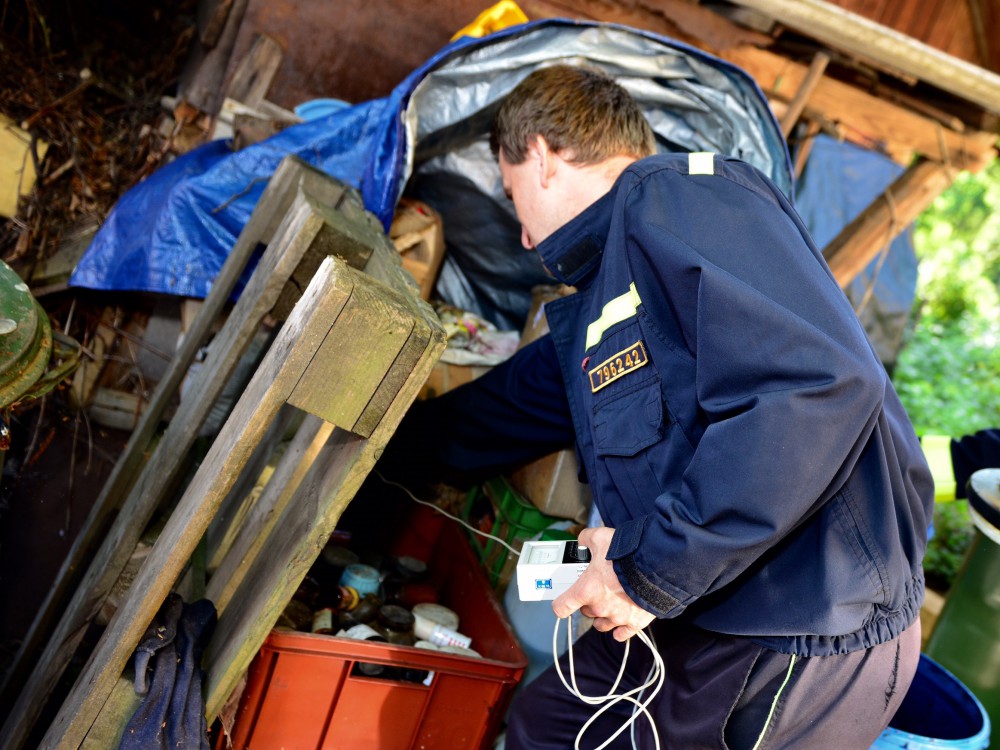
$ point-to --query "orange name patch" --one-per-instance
(617, 366)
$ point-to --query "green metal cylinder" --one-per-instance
(966, 638)
(25, 338)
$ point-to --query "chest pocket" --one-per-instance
(629, 421)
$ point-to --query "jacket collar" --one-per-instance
(573, 252)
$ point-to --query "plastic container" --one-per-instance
(966, 637)
(305, 691)
(938, 712)
(512, 519)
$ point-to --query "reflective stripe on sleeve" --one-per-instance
(620, 308)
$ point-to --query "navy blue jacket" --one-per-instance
(736, 427)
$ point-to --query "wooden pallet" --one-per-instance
(352, 355)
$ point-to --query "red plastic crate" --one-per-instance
(301, 693)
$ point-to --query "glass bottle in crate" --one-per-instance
(395, 623)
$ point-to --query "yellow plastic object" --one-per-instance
(937, 451)
(496, 17)
(17, 165)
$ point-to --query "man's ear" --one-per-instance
(547, 159)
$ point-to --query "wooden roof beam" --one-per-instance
(889, 214)
(865, 117)
(809, 84)
(852, 33)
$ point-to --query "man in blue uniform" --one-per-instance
(765, 498)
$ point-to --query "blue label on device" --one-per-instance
(543, 583)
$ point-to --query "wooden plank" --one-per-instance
(232, 513)
(809, 83)
(256, 70)
(689, 22)
(888, 215)
(334, 479)
(202, 88)
(270, 387)
(291, 241)
(236, 560)
(86, 377)
(212, 17)
(847, 31)
(260, 228)
(875, 119)
(109, 727)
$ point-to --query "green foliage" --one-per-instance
(958, 243)
(948, 374)
(948, 381)
(952, 536)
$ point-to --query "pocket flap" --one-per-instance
(626, 424)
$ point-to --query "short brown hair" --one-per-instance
(582, 113)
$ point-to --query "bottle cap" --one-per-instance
(411, 567)
(396, 618)
(362, 578)
(338, 556)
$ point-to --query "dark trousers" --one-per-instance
(723, 693)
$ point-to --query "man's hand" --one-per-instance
(598, 593)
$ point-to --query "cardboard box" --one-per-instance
(418, 235)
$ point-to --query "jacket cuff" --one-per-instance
(642, 591)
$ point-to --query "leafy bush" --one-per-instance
(948, 374)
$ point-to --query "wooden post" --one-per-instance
(888, 215)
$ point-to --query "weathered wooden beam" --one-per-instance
(852, 33)
(850, 251)
(138, 482)
(306, 523)
(342, 309)
(253, 413)
(235, 508)
(866, 117)
(252, 77)
(809, 84)
(239, 553)
(686, 21)
(203, 87)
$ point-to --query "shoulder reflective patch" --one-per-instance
(618, 365)
(619, 309)
(701, 162)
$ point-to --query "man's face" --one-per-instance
(533, 201)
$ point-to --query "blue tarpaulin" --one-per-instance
(839, 182)
(172, 232)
